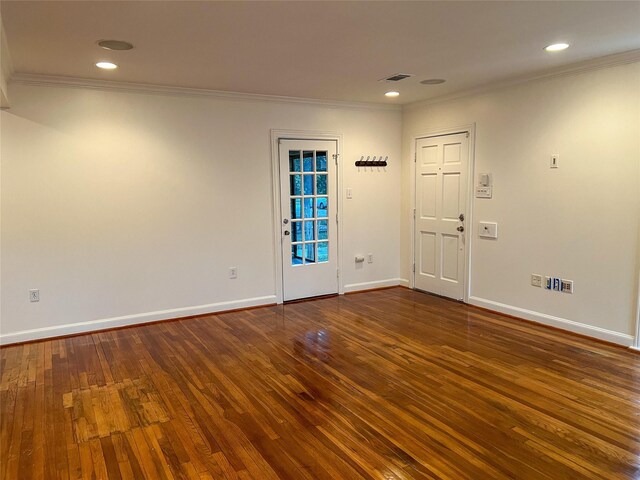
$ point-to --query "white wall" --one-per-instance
(129, 207)
(579, 222)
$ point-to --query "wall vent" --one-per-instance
(396, 77)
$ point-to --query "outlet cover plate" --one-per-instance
(552, 283)
(488, 230)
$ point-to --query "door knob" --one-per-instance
(460, 229)
(461, 217)
(286, 232)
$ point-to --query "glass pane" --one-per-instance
(294, 161)
(321, 161)
(295, 181)
(322, 204)
(323, 251)
(308, 208)
(296, 254)
(296, 231)
(310, 252)
(309, 230)
(296, 208)
(321, 184)
(308, 161)
(308, 184)
(323, 230)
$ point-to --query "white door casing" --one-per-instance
(442, 165)
(308, 203)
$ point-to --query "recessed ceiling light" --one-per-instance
(106, 65)
(392, 94)
(114, 45)
(556, 47)
(433, 81)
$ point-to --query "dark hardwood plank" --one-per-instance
(389, 384)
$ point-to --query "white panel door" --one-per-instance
(308, 185)
(442, 164)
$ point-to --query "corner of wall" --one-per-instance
(6, 67)
(515, 144)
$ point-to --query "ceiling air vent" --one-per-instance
(397, 77)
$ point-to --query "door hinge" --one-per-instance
(467, 134)
(413, 268)
(335, 157)
(337, 218)
(338, 273)
(415, 157)
(414, 213)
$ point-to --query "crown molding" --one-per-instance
(624, 58)
(617, 59)
(143, 88)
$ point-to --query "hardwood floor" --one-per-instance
(389, 384)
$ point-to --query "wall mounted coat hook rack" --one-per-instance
(372, 163)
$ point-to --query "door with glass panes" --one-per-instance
(309, 218)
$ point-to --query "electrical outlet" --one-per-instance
(536, 280)
(553, 283)
(369, 257)
(567, 286)
(233, 272)
(34, 295)
(349, 193)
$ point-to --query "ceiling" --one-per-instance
(321, 50)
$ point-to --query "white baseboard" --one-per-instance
(142, 318)
(558, 322)
(389, 282)
(127, 320)
(632, 347)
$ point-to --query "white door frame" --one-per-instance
(277, 135)
(468, 223)
(636, 341)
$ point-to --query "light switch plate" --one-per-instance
(34, 295)
(488, 230)
(484, 192)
